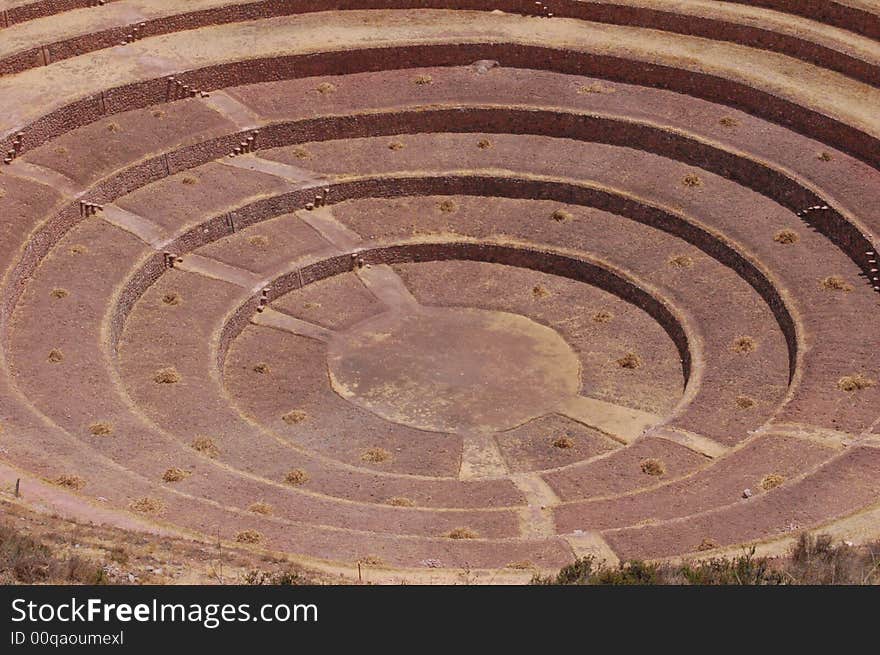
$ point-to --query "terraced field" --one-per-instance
(485, 287)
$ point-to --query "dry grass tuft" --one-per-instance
(857, 382)
(175, 474)
(249, 537)
(55, 356)
(422, 80)
(744, 402)
(395, 145)
(205, 446)
(158, 113)
(147, 505)
(562, 216)
(172, 299)
(771, 481)
(484, 144)
(168, 375)
(258, 241)
(681, 261)
(692, 180)
(399, 501)
(602, 316)
(296, 477)
(744, 345)
(325, 87)
(189, 180)
(520, 566)
(596, 87)
(262, 368)
(786, 237)
(78, 249)
(835, 283)
(260, 507)
(447, 206)
(370, 560)
(563, 443)
(376, 455)
(539, 292)
(301, 153)
(707, 544)
(294, 416)
(824, 156)
(727, 121)
(462, 533)
(652, 467)
(630, 361)
(101, 429)
(59, 293)
(113, 127)
(70, 481)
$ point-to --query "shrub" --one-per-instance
(70, 481)
(294, 416)
(563, 442)
(447, 206)
(835, 283)
(376, 455)
(786, 237)
(147, 505)
(771, 481)
(652, 467)
(101, 429)
(744, 345)
(629, 361)
(744, 402)
(857, 382)
(168, 375)
(249, 537)
(296, 477)
(175, 474)
(260, 507)
(206, 446)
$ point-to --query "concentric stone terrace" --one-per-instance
(428, 287)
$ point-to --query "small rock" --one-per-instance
(747, 493)
(431, 563)
(485, 65)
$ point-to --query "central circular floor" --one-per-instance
(453, 369)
